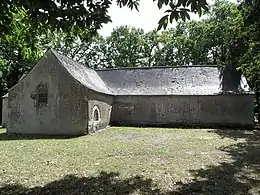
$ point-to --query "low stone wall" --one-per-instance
(99, 106)
(213, 110)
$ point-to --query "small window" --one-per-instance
(96, 117)
(42, 95)
(96, 113)
(43, 98)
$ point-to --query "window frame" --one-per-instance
(42, 95)
(96, 114)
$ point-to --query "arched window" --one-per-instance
(96, 117)
(96, 113)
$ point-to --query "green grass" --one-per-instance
(121, 160)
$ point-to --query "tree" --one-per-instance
(177, 47)
(17, 49)
(100, 54)
(75, 18)
(213, 40)
(92, 14)
(250, 63)
(150, 44)
(127, 46)
(71, 46)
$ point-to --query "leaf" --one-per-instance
(180, 2)
(198, 8)
(205, 7)
(171, 17)
(163, 22)
(183, 16)
(172, 5)
(168, 11)
(188, 2)
(174, 15)
(159, 4)
(136, 6)
(203, 4)
(187, 15)
(184, 9)
(193, 5)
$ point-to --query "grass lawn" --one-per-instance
(126, 160)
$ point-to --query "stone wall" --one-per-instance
(65, 109)
(102, 104)
(4, 111)
(216, 110)
(25, 113)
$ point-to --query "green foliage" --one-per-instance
(127, 46)
(22, 43)
(250, 62)
(150, 44)
(89, 15)
(18, 47)
(180, 10)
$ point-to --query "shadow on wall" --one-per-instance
(230, 78)
(241, 176)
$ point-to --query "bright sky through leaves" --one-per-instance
(147, 18)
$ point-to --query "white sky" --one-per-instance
(147, 18)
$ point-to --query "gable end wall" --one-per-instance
(66, 112)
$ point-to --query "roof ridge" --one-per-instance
(70, 59)
(159, 67)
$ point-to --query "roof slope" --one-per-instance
(86, 76)
(180, 80)
(185, 80)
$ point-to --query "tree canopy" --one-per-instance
(91, 14)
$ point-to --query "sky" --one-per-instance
(147, 18)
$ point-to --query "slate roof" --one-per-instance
(183, 80)
(180, 80)
(86, 76)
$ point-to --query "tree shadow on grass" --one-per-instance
(104, 183)
(249, 135)
(241, 175)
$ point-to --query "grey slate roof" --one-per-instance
(181, 80)
(185, 80)
(86, 76)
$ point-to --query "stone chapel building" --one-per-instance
(62, 97)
